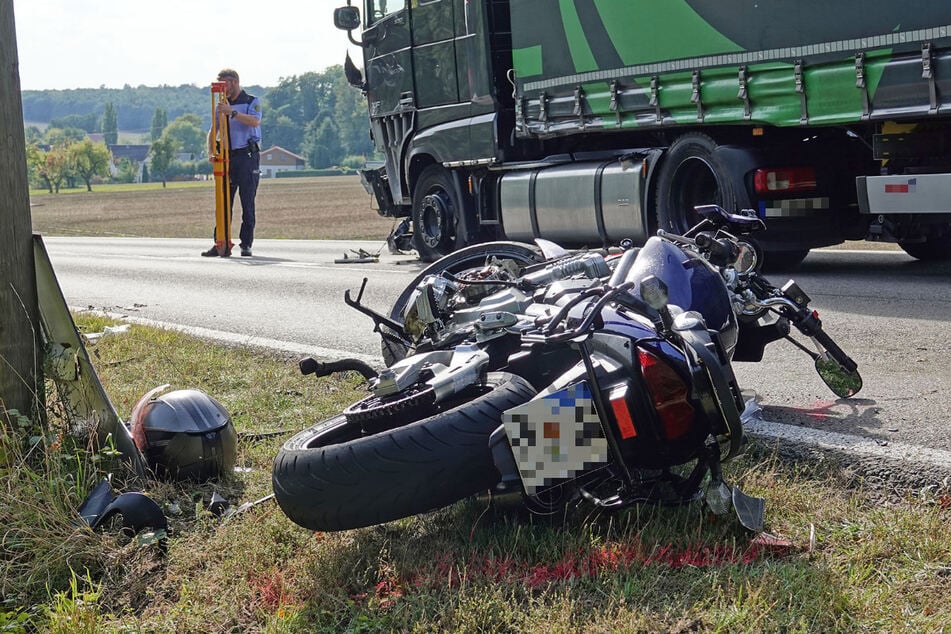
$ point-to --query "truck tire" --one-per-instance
(933, 249)
(436, 214)
(330, 477)
(468, 258)
(691, 175)
(783, 260)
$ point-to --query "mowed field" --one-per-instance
(319, 208)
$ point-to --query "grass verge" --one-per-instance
(843, 561)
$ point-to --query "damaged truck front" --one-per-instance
(590, 122)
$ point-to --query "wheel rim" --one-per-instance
(694, 183)
(435, 214)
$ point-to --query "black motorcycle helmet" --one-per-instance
(184, 435)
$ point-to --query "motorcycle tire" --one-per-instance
(331, 477)
(468, 258)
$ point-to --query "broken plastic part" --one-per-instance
(138, 510)
(751, 511)
(218, 505)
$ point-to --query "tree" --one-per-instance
(322, 144)
(282, 130)
(110, 124)
(159, 121)
(63, 136)
(21, 374)
(297, 104)
(85, 122)
(56, 166)
(350, 114)
(89, 159)
(187, 133)
(33, 135)
(126, 171)
(161, 154)
(36, 166)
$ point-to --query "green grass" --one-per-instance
(122, 187)
(473, 567)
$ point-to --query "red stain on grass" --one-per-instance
(448, 573)
(270, 590)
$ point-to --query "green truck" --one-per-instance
(592, 121)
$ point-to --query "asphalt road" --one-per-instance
(889, 312)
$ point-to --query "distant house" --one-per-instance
(276, 159)
(136, 155)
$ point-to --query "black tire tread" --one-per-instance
(397, 473)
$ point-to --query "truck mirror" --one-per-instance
(347, 18)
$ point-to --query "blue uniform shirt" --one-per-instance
(241, 134)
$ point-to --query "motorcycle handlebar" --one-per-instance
(808, 323)
(719, 252)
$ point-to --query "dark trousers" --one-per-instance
(244, 171)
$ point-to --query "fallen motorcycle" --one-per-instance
(602, 376)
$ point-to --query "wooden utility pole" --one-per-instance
(21, 378)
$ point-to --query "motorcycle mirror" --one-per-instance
(843, 383)
(655, 292)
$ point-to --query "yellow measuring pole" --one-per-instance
(220, 140)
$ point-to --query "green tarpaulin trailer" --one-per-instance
(591, 121)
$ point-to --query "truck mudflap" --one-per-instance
(904, 194)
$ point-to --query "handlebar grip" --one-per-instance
(720, 252)
(835, 351)
(810, 325)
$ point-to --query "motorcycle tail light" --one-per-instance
(669, 395)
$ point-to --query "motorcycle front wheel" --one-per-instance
(471, 257)
(333, 476)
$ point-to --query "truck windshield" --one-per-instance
(376, 10)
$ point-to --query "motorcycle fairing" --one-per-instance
(691, 284)
(556, 437)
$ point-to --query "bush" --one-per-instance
(327, 171)
(354, 161)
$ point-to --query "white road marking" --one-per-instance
(244, 340)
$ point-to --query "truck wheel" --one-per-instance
(331, 477)
(783, 260)
(933, 249)
(470, 257)
(436, 210)
(691, 175)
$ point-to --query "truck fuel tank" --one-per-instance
(583, 203)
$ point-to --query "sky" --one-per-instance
(64, 44)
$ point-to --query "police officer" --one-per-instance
(244, 133)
